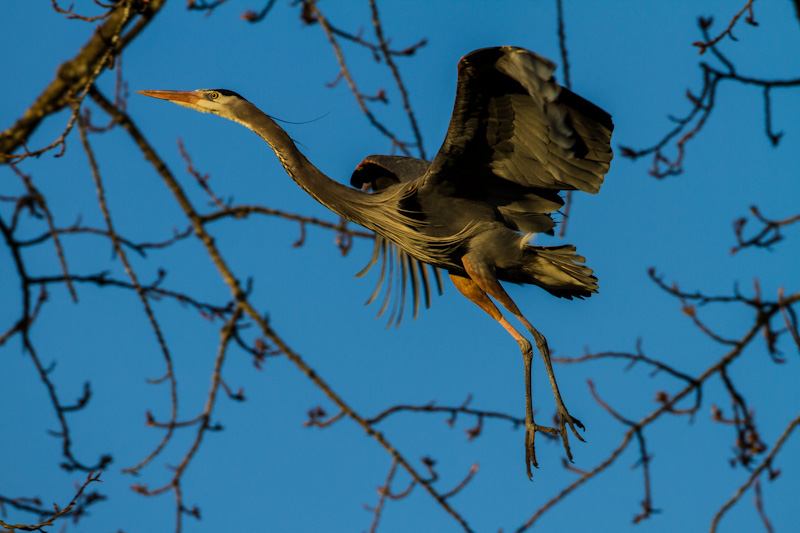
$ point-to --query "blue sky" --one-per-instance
(266, 471)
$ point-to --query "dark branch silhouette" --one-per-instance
(704, 101)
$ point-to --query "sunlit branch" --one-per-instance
(72, 83)
(769, 234)
(384, 47)
(73, 509)
(345, 72)
(72, 15)
(203, 421)
(644, 457)
(750, 19)
(765, 464)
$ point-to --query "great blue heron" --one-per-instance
(516, 138)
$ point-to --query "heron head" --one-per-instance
(217, 101)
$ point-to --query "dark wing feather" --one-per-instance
(513, 125)
(381, 171)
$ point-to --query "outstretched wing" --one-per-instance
(514, 125)
(516, 138)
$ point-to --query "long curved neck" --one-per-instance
(339, 198)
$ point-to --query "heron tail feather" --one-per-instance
(560, 271)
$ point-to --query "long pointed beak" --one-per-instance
(189, 97)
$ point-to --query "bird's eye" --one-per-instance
(213, 95)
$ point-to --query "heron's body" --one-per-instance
(516, 139)
(454, 226)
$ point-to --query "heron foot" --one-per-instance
(564, 419)
(530, 452)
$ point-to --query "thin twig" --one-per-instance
(765, 464)
(562, 46)
(91, 477)
(140, 291)
(396, 73)
(750, 19)
(345, 72)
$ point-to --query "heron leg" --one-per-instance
(489, 284)
(473, 291)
